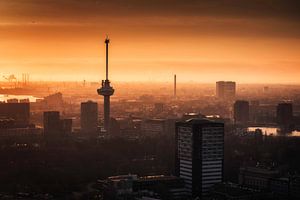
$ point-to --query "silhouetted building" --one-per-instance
(19, 112)
(285, 114)
(199, 155)
(89, 117)
(53, 101)
(52, 123)
(225, 90)
(241, 112)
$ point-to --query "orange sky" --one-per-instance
(251, 41)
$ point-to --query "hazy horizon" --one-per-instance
(63, 40)
(169, 82)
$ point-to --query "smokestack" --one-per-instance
(175, 94)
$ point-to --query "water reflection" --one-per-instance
(275, 131)
(4, 97)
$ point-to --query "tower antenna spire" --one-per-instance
(107, 42)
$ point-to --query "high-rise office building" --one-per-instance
(225, 90)
(199, 154)
(285, 114)
(241, 112)
(52, 123)
(89, 117)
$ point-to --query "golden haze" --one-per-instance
(150, 47)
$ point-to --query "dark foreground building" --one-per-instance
(199, 154)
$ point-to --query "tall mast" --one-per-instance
(106, 91)
(107, 42)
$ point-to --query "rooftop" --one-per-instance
(201, 121)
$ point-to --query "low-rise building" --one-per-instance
(149, 187)
(257, 177)
(231, 191)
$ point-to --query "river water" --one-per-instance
(4, 97)
(274, 131)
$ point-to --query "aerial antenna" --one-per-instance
(107, 42)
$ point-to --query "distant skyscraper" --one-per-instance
(285, 114)
(199, 154)
(106, 90)
(54, 102)
(225, 90)
(52, 124)
(241, 112)
(89, 116)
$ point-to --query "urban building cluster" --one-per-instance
(217, 142)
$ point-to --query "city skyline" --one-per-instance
(140, 99)
(247, 42)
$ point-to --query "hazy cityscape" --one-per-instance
(54, 144)
(149, 100)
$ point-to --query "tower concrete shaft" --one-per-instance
(106, 91)
(106, 112)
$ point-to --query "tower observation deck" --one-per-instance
(106, 91)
